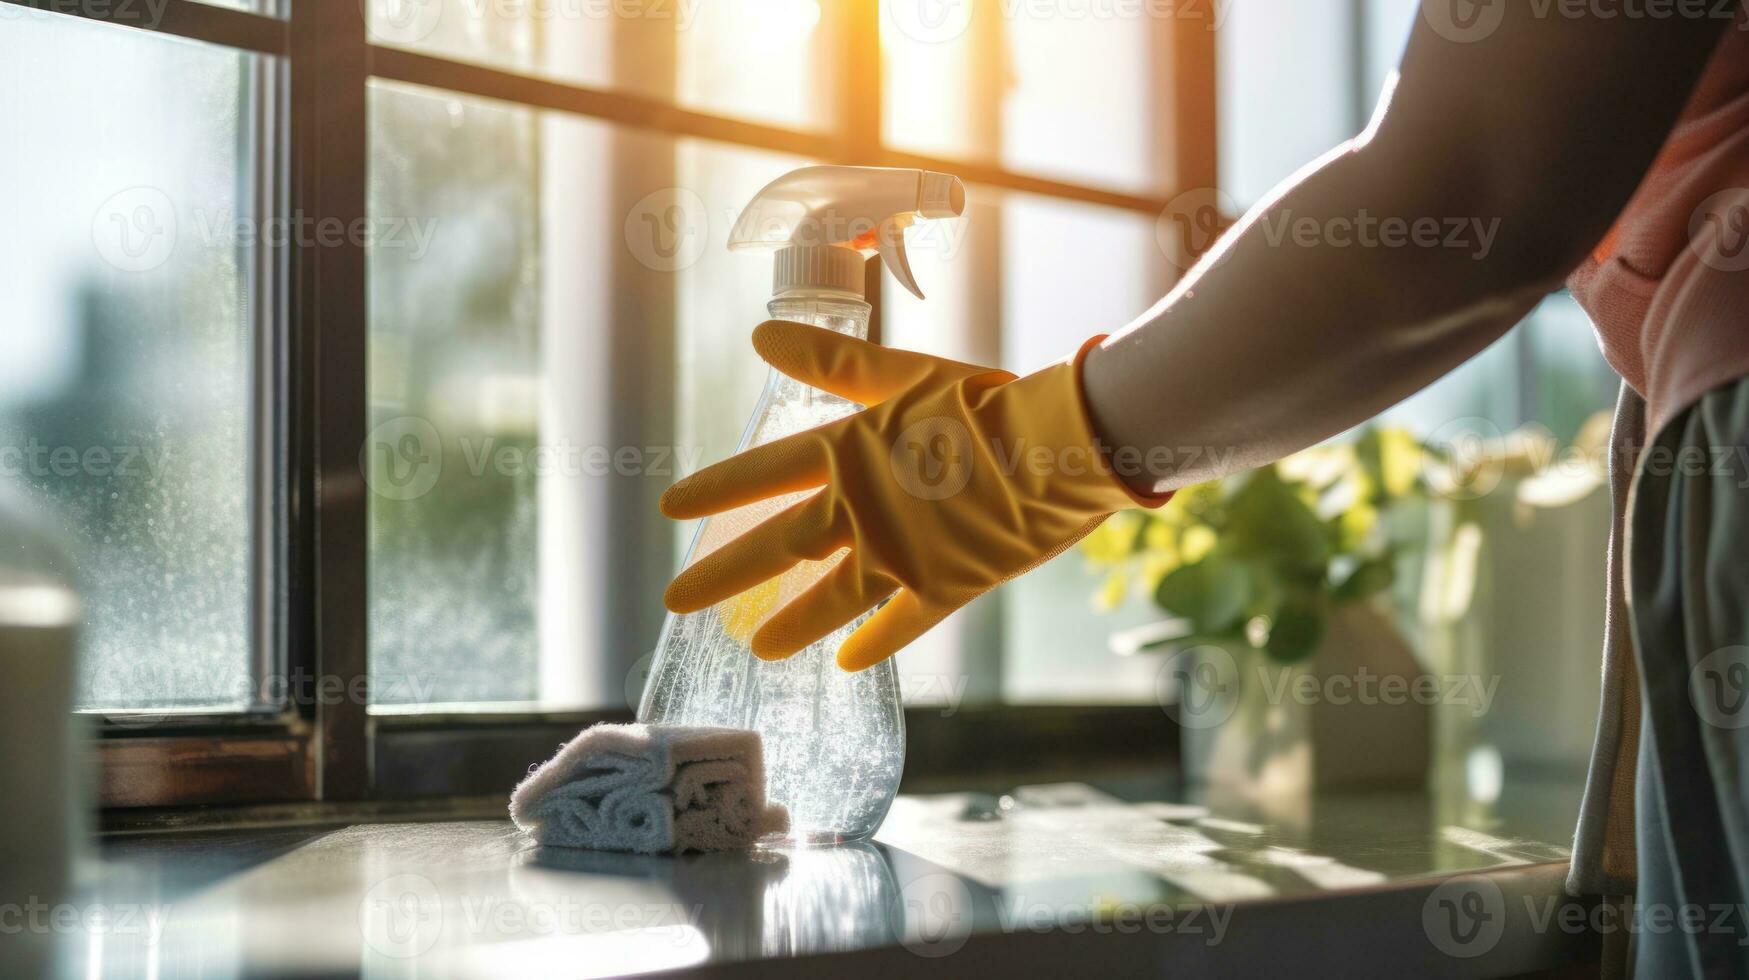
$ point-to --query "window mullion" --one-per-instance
(330, 324)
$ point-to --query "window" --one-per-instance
(382, 327)
(134, 322)
(409, 316)
(1296, 80)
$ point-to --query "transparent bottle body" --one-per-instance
(834, 741)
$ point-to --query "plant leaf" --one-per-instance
(1269, 520)
(1368, 579)
(1212, 594)
(1298, 629)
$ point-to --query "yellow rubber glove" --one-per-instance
(954, 479)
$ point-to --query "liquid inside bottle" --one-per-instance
(834, 741)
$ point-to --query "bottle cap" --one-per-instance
(817, 267)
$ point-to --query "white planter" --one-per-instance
(1355, 714)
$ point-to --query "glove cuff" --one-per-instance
(1103, 453)
(1050, 449)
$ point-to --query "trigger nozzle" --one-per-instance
(892, 249)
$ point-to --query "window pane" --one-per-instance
(1070, 271)
(455, 399)
(723, 297)
(563, 333)
(1287, 77)
(761, 60)
(125, 388)
(1062, 90)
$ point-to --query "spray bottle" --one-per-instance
(834, 741)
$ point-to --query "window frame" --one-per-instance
(311, 534)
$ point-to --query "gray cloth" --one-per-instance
(650, 789)
(1603, 845)
(1688, 587)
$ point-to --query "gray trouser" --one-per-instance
(1688, 589)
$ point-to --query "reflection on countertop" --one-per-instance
(1067, 873)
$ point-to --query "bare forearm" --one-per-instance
(1520, 149)
(1323, 308)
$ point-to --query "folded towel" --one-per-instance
(649, 789)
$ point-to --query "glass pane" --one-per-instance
(1069, 271)
(1061, 90)
(938, 86)
(125, 388)
(1287, 90)
(455, 399)
(761, 60)
(1081, 100)
(560, 335)
(722, 298)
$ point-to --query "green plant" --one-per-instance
(1261, 558)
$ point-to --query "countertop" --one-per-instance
(1127, 877)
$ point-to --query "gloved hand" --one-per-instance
(954, 479)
